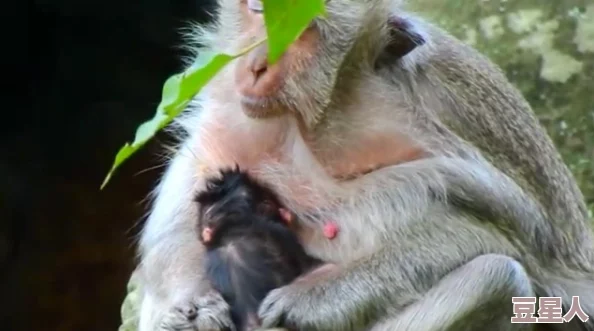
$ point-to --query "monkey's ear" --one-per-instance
(286, 215)
(403, 37)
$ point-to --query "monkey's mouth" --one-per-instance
(261, 106)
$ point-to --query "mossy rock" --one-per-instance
(131, 304)
(547, 50)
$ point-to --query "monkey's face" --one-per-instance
(239, 209)
(303, 80)
(217, 217)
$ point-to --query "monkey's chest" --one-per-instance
(366, 154)
(227, 144)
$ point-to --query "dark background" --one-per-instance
(95, 72)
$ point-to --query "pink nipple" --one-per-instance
(330, 230)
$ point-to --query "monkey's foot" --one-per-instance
(207, 313)
(286, 307)
(179, 318)
(303, 304)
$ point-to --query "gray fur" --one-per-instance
(439, 243)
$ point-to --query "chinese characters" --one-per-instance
(549, 311)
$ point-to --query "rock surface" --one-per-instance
(547, 51)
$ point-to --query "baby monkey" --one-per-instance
(251, 247)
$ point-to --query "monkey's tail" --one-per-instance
(581, 286)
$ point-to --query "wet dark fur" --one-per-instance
(252, 250)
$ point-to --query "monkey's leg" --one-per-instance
(175, 295)
(476, 296)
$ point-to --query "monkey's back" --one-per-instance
(249, 262)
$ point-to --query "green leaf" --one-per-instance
(282, 30)
(178, 91)
(286, 20)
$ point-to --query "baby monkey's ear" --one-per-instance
(404, 38)
(206, 234)
(286, 215)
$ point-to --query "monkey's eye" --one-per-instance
(255, 6)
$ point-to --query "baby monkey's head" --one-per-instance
(234, 199)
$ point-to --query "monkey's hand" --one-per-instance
(295, 306)
(208, 312)
(288, 306)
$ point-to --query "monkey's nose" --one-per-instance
(258, 62)
(259, 68)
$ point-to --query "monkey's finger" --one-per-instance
(271, 312)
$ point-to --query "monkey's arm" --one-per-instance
(408, 190)
(397, 276)
(175, 293)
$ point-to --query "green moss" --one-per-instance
(547, 51)
(584, 31)
(559, 67)
(524, 20)
(491, 26)
(130, 306)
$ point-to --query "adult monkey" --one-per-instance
(456, 200)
